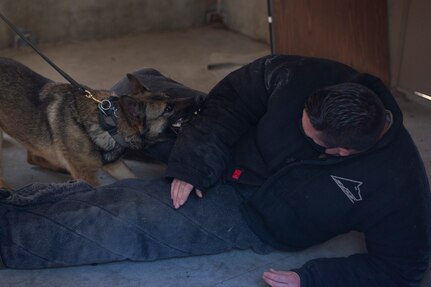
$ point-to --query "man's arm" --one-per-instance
(356, 270)
(398, 252)
(203, 148)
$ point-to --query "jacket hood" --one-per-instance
(388, 100)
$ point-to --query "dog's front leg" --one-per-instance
(118, 170)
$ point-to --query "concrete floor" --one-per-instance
(183, 56)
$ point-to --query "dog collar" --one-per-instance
(108, 119)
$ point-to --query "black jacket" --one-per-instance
(249, 131)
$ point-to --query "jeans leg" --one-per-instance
(73, 224)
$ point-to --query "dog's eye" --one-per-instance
(169, 108)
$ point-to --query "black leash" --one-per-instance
(66, 76)
(107, 107)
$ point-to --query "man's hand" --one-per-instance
(180, 191)
(277, 278)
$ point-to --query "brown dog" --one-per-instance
(64, 130)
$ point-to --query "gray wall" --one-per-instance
(74, 20)
(415, 62)
(249, 17)
(397, 14)
(70, 20)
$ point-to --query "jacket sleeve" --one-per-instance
(203, 148)
(398, 253)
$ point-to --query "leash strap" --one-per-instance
(66, 76)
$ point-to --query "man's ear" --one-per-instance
(135, 85)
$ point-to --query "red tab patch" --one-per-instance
(236, 174)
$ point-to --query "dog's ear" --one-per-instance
(136, 85)
(133, 111)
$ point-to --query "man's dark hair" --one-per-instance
(349, 115)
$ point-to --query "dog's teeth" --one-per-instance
(177, 124)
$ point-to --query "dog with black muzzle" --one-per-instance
(63, 130)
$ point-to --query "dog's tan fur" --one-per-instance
(61, 128)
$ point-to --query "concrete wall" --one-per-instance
(397, 14)
(70, 20)
(415, 68)
(249, 17)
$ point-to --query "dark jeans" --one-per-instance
(50, 225)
